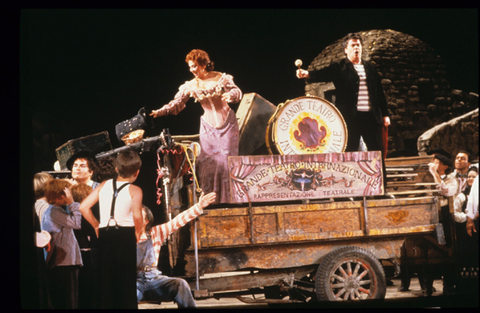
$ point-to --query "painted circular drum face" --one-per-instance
(307, 125)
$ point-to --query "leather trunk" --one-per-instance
(95, 143)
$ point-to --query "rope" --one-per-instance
(159, 176)
(187, 147)
(160, 173)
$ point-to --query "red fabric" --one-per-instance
(177, 154)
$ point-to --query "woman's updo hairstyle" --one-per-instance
(201, 58)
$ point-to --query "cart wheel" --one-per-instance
(350, 273)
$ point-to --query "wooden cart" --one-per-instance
(316, 248)
(328, 249)
(306, 250)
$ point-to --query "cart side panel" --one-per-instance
(322, 221)
(231, 227)
(225, 230)
(283, 255)
(298, 223)
(413, 217)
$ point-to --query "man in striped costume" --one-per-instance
(151, 284)
(359, 94)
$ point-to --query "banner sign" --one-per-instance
(267, 178)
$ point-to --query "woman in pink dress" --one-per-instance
(219, 132)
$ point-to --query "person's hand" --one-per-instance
(68, 195)
(226, 97)
(206, 200)
(433, 167)
(386, 121)
(470, 226)
(154, 113)
(160, 112)
(302, 73)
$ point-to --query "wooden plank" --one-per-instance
(403, 230)
(401, 216)
(336, 205)
(322, 221)
(202, 233)
(252, 280)
(414, 170)
(408, 175)
(404, 161)
(409, 184)
(297, 226)
(287, 255)
(402, 201)
(401, 167)
(280, 223)
(410, 192)
(408, 167)
(397, 169)
(227, 212)
(298, 223)
(396, 202)
(225, 231)
(298, 238)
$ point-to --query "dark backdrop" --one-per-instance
(84, 70)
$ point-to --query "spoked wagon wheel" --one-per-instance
(350, 273)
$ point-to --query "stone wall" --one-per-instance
(460, 133)
(415, 82)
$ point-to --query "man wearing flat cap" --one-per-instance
(82, 166)
(447, 184)
(440, 151)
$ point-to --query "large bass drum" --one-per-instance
(306, 125)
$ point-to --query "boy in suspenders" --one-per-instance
(118, 231)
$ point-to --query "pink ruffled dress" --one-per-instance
(219, 133)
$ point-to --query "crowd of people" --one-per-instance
(102, 238)
(100, 248)
(455, 184)
(98, 254)
(454, 181)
